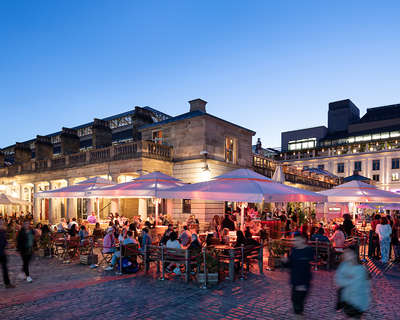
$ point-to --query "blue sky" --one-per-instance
(270, 66)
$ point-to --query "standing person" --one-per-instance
(395, 239)
(383, 230)
(347, 225)
(3, 257)
(353, 280)
(25, 247)
(228, 223)
(299, 262)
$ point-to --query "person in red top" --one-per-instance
(376, 250)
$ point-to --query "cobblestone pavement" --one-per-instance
(70, 291)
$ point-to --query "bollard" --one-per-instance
(270, 253)
(316, 255)
(120, 258)
(66, 250)
(365, 244)
(242, 277)
(163, 278)
(205, 269)
(49, 245)
(91, 250)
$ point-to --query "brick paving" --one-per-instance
(71, 291)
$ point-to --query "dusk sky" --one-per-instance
(269, 66)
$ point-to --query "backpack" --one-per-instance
(129, 266)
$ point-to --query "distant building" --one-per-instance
(369, 145)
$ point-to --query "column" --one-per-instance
(21, 196)
(143, 208)
(36, 203)
(9, 207)
(115, 201)
(30, 198)
(53, 216)
(71, 202)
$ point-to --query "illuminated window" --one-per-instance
(157, 137)
(340, 167)
(230, 150)
(395, 176)
(375, 165)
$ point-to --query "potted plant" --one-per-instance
(278, 249)
(212, 267)
(43, 245)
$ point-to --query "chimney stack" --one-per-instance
(43, 148)
(22, 153)
(69, 141)
(101, 134)
(198, 104)
(1, 159)
(140, 118)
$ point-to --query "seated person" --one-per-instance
(146, 239)
(321, 226)
(122, 236)
(73, 230)
(92, 218)
(173, 243)
(97, 227)
(251, 225)
(320, 236)
(62, 225)
(249, 241)
(239, 239)
(185, 236)
(83, 233)
(109, 241)
(228, 223)
(337, 238)
(225, 237)
(73, 221)
(117, 254)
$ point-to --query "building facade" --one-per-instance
(369, 145)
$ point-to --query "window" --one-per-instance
(376, 165)
(395, 163)
(187, 205)
(357, 165)
(395, 176)
(321, 166)
(375, 177)
(230, 150)
(302, 144)
(157, 137)
(340, 167)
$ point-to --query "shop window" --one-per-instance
(157, 137)
(395, 163)
(375, 177)
(187, 205)
(357, 165)
(395, 176)
(230, 150)
(340, 167)
(376, 165)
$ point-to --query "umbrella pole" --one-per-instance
(242, 218)
(156, 217)
(98, 211)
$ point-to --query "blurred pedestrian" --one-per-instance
(25, 247)
(354, 282)
(299, 262)
(3, 257)
(384, 230)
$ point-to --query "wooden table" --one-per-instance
(274, 227)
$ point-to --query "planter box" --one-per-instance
(45, 252)
(278, 263)
(87, 259)
(212, 278)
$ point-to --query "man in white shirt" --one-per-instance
(72, 222)
(337, 238)
(117, 254)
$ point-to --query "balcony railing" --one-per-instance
(112, 153)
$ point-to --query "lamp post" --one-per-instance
(156, 202)
(98, 200)
(242, 206)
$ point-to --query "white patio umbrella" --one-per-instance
(357, 191)
(147, 186)
(392, 206)
(242, 185)
(8, 200)
(278, 175)
(366, 206)
(77, 190)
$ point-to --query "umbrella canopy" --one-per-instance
(12, 201)
(147, 186)
(242, 185)
(392, 206)
(366, 206)
(278, 175)
(77, 190)
(357, 191)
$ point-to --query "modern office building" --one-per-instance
(369, 145)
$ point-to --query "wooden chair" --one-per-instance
(98, 234)
(215, 241)
(107, 256)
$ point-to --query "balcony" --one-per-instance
(114, 153)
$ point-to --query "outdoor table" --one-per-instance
(222, 247)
